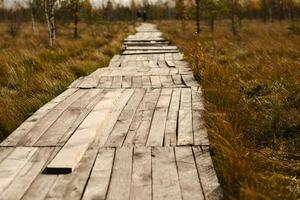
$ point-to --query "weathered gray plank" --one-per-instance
(146, 81)
(200, 132)
(156, 134)
(13, 163)
(171, 124)
(99, 179)
(188, 175)
(164, 174)
(209, 181)
(71, 186)
(121, 176)
(69, 156)
(126, 83)
(121, 128)
(136, 81)
(185, 120)
(39, 129)
(27, 174)
(67, 123)
(141, 186)
(4, 152)
(155, 81)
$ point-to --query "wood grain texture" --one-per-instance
(121, 176)
(164, 174)
(141, 185)
(68, 157)
(209, 181)
(99, 179)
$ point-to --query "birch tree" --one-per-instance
(50, 19)
(32, 7)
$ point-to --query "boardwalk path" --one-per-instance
(132, 130)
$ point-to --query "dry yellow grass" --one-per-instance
(251, 86)
(31, 74)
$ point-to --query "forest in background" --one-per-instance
(245, 53)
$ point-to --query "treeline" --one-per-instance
(65, 11)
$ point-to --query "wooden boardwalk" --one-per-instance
(133, 130)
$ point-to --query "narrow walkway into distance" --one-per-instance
(133, 130)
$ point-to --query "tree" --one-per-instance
(75, 4)
(50, 19)
(32, 7)
(211, 9)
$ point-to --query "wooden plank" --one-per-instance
(141, 186)
(67, 123)
(122, 125)
(188, 175)
(146, 110)
(146, 81)
(156, 134)
(136, 81)
(171, 124)
(105, 82)
(185, 121)
(162, 64)
(163, 52)
(145, 43)
(42, 184)
(177, 80)
(136, 121)
(117, 82)
(75, 83)
(207, 174)
(121, 176)
(114, 63)
(197, 102)
(189, 80)
(164, 174)
(71, 186)
(113, 116)
(69, 156)
(39, 129)
(12, 164)
(155, 81)
(27, 174)
(40, 187)
(99, 179)
(88, 82)
(126, 83)
(164, 98)
(4, 152)
(170, 63)
(21, 131)
(166, 81)
(151, 48)
(142, 132)
(200, 132)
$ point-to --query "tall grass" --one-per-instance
(31, 74)
(251, 86)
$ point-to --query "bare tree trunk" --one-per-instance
(270, 11)
(49, 12)
(198, 16)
